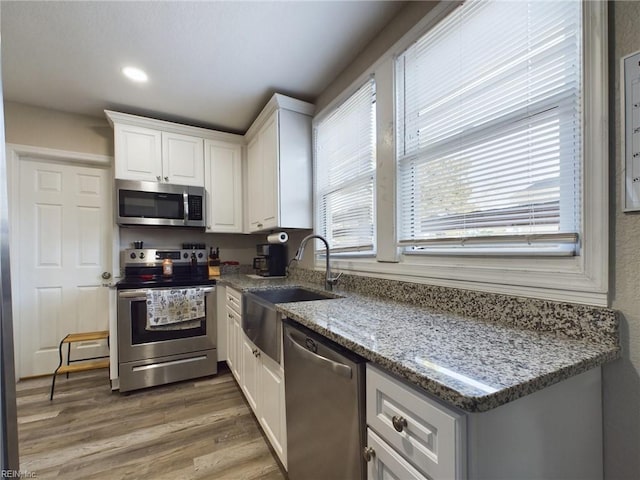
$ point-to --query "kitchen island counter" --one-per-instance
(472, 362)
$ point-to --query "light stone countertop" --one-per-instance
(474, 364)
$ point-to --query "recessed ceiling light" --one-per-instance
(135, 74)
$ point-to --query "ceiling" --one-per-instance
(212, 64)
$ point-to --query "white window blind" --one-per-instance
(489, 128)
(345, 156)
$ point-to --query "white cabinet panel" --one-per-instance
(249, 370)
(387, 464)
(272, 405)
(182, 159)
(279, 166)
(223, 183)
(254, 185)
(233, 316)
(138, 153)
(270, 173)
(427, 434)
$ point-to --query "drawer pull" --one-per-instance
(399, 423)
(368, 453)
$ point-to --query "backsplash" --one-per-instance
(564, 319)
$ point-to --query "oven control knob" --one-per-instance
(200, 255)
(185, 255)
(133, 255)
(141, 254)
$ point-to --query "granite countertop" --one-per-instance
(471, 363)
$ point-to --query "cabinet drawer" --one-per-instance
(427, 434)
(386, 463)
(234, 300)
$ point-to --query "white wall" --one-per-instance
(622, 378)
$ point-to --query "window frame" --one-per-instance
(579, 279)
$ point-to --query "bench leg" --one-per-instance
(55, 374)
(53, 385)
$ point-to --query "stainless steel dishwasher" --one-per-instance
(325, 400)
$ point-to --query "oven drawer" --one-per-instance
(158, 371)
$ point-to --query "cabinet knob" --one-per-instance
(158, 177)
(259, 225)
(368, 453)
(166, 179)
(399, 423)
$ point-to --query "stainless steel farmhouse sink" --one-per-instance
(293, 294)
(263, 324)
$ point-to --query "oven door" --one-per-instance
(135, 342)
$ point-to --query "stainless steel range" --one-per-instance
(177, 347)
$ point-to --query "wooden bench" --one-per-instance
(80, 364)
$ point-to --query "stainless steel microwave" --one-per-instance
(159, 204)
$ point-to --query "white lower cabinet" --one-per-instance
(555, 432)
(271, 412)
(385, 463)
(249, 371)
(232, 314)
(261, 378)
(415, 428)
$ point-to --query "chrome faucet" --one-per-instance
(329, 280)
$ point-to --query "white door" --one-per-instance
(65, 231)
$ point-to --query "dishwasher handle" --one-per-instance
(338, 368)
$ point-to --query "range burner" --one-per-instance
(143, 268)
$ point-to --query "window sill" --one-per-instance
(535, 278)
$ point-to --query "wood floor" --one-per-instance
(190, 430)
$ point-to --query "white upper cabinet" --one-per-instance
(223, 182)
(158, 151)
(279, 168)
(138, 153)
(182, 159)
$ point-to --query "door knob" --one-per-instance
(106, 275)
(368, 453)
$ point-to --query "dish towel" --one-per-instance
(175, 309)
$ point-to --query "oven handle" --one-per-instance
(141, 294)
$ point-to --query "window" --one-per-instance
(489, 130)
(345, 163)
(491, 162)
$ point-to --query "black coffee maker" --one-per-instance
(271, 260)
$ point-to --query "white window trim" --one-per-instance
(579, 279)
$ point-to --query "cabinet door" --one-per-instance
(223, 182)
(386, 463)
(249, 371)
(138, 153)
(254, 185)
(270, 173)
(272, 405)
(429, 435)
(182, 159)
(232, 341)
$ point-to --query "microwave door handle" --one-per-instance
(185, 196)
